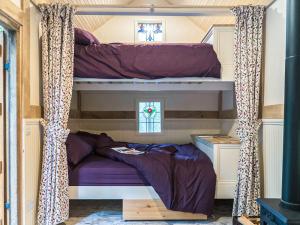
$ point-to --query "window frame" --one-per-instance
(162, 107)
(162, 21)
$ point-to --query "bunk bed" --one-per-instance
(166, 168)
(156, 67)
(101, 67)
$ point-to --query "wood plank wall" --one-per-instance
(30, 111)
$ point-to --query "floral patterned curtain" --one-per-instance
(57, 72)
(247, 69)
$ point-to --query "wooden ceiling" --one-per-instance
(91, 23)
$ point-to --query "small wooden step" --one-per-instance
(248, 221)
(155, 210)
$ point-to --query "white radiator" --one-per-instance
(273, 153)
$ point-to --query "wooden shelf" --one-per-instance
(218, 139)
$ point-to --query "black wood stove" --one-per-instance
(273, 213)
(287, 209)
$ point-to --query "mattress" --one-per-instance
(145, 61)
(99, 171)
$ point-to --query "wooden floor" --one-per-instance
(154, 210)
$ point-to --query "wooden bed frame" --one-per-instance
(143, 203)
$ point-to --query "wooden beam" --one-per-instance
(175, 114)
(228, 114)
(36, 3)
(155, 210)
(151, 6)
(79, 104)
(86, 9)
(31, 111)
(106, 114)
(168, 114)
(273, 111)
(220, 102)
(13, 12)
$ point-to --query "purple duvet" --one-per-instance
(95, 170)
(145, 61)
(182, 175)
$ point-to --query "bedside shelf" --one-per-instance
(223, 151)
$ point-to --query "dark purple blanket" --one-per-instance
(182, 175)
(95, 170)
(148, 61)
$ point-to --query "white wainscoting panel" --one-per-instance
(273, 156)
(31, 169)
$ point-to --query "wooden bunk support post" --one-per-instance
(155, 210)
(79, 104)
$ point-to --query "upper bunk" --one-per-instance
(215, 68)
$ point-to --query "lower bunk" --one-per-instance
(163, 182)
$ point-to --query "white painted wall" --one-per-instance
(275, 53)
(121, 29)
(126, 101)
(175, 130)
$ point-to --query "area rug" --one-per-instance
(110, 213)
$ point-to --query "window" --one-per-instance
(149, 116)
(150, 31)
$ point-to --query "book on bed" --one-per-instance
(129, 151)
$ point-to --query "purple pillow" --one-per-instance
(103, 140)
(83, 37)
(89, 138)
(77, 149)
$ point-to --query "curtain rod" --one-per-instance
(152, 10)
(270, 4)
(34, 3)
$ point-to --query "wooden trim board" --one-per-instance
(228, 114)
(11, 12)
(155, 210)
(168, 114)
(273, 111)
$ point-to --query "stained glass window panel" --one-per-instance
(150, 31)
(149, 117)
